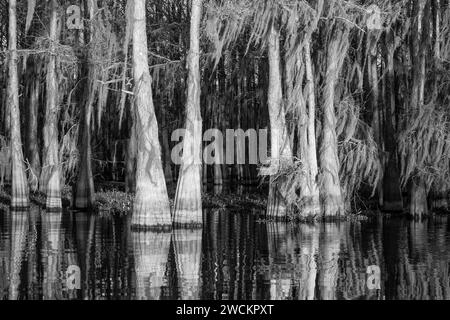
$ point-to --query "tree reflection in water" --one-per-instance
(234, 256)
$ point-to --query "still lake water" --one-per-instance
(235, 256)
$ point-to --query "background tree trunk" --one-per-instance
(32, 145)
(84, 197)
(130, 159)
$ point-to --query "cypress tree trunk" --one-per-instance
(331, 193)
(32, 146)
(372, 44)
(84, 197)
(280, 144)
(50, 177)
(417, 188)
(188, 199)
(310, 191)
(218, 113)
(392, 196)
(19, 192)
(166, 149)
(151, 205)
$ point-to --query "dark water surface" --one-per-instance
(233, 257)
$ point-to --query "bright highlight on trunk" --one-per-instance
(19, 192)
(151, 205)
(279, 138)
(331, 193)
(50, 183)
(188, 199)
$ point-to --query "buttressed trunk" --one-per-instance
(188, 200)
(331, 193)
(19, 192)
(50, 177)
(280, 143)
(310, 191)
(151, 205)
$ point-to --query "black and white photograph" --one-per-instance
(253, 151)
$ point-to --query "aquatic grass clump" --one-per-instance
(114, 202)
(234, 202)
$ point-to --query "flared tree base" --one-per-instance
(311, 208)
(19, 201)
(19, 190)
(188, 200)
(51, 187)
(151, 211)
(84, 196)
(333, 207)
